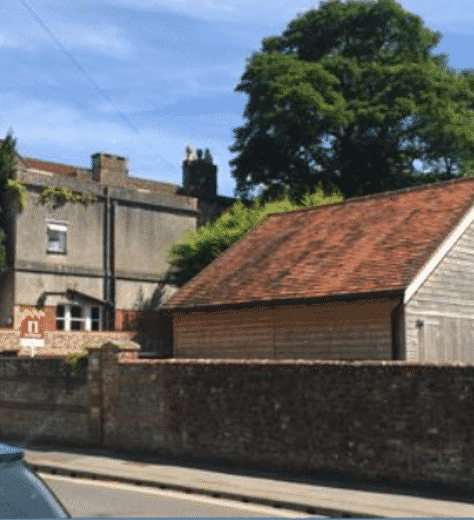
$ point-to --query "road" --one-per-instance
(91, 499)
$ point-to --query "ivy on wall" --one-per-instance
(62, 195)
(20, 191)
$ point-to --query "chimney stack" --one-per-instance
(109, 169)
(200, 177)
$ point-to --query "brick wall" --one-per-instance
(9, 339)
(62, 343)
(375, 419)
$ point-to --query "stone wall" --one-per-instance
(374, 419)
(39, 399)
(370, 419)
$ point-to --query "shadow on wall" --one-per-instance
(154, 330)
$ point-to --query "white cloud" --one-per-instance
(107, 40)
(104, 39)
(254, 13)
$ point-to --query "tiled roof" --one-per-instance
(51, 167)
(366, 244)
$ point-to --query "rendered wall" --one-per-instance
(84, 235)
(29, 286)
(142, 238)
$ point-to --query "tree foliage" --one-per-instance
(7, 166)
(351, 94)
(199, 248)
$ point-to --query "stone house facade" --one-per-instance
(93, 270)
(382, 277)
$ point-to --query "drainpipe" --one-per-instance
(109, 278)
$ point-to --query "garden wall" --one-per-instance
(375, 419)
(40, 399)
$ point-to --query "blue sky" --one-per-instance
(170, 66)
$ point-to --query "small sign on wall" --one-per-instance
(32, 324)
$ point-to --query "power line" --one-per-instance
(81, 69)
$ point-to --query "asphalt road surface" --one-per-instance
(93, 499)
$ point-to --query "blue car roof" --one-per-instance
(9, 453)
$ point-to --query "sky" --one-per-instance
(143, 78)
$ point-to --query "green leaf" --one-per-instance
(199, 248)
(351, 93)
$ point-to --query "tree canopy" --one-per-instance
(351, 94)
(7, 165)
(199, 248)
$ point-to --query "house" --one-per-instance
(386, 276)
(81, 272)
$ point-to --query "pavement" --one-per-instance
(337, 498)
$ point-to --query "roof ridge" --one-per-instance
(377, 195)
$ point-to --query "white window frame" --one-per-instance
(86, 319)
(56, 247)
(32, 327)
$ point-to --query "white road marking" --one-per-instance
(271, 511)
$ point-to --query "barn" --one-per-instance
(388, 276)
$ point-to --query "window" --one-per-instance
(60, 317)
(95, 318)
(32, 327)
(56, 236)
(77, 317)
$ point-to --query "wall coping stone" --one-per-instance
(302, 362)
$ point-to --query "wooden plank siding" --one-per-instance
(224, 334)
(342, 330)
(439, 317)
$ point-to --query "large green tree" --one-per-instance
(7, 165)
(199, 248)
(351, 94)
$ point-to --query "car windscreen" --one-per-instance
(24, 495)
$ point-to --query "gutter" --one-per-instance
(390, 294)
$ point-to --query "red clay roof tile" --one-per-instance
(365, 244)
(52, 167)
